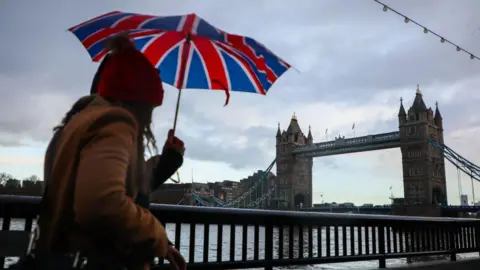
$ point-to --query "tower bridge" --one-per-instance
(423, 165)
(419, 138)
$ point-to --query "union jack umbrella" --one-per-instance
(188, 51)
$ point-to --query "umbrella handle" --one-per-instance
(178, 178)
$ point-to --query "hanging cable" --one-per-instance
(459, 178)
(473, 190)
(426, 30)
(457, 160)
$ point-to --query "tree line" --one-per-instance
(30, 186)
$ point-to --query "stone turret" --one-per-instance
(438, 120)
(402, 115)
(423, 165)
(310, 137)
(279, 134)
(294, 174)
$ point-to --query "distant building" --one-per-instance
(23, 188)
(227, 190)
(13, 183)
(398, 201)
(181, 193)
(464, 200)
(263, 187)
(171, 194)
(347, 204)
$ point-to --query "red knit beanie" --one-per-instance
(129, 76)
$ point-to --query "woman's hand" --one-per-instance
(176, 260)
(174, 142)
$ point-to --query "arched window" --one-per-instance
(437, 196)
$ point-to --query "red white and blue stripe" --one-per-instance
(213, 59)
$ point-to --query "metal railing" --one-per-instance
(221, 238)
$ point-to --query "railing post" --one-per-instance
(381, 246)
(5, 227)
(452, 242)
(268, 247)
(477, 237)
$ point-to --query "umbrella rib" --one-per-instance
(245, 66)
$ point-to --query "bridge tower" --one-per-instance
(423, 165)
(294, 174)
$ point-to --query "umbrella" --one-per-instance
(188, 51)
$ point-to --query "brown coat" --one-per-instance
(98, 152)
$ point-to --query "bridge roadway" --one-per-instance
(385, 209)
(351, 145)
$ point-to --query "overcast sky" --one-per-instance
(354, 61)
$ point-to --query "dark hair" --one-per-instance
(151, 142)
(76, 108)
(118, 42)
(144, 118)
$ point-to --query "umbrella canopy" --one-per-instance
(188, 51)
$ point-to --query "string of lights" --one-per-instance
(426, 30)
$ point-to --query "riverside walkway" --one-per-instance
(219, 238)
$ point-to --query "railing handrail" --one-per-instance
(266, 214)
(389, 206)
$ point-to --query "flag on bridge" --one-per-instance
(353, 127)
(326, 131)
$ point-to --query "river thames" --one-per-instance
(18, 224)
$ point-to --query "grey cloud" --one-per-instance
(9, 141)
(329, 162)
(351, 59)
(226, 151)
(213, 140)
(29, 109)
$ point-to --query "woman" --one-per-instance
(95, 169)
(159, 168)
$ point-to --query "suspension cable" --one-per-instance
(459, 179)
(473, 190)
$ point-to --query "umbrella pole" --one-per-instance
(176, 110)
(174, 128)
(183, 67)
